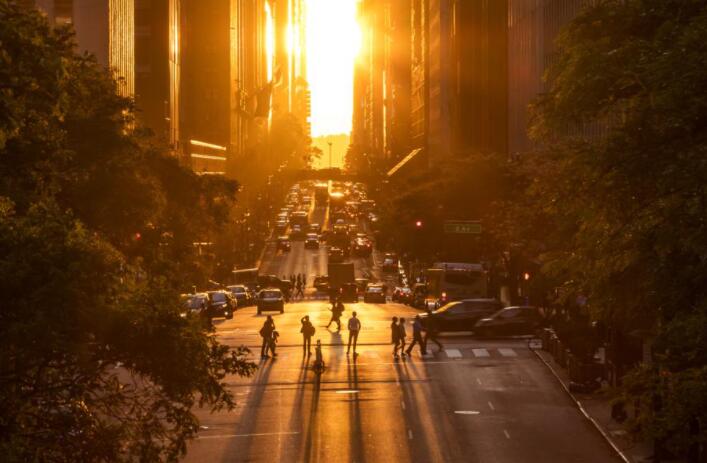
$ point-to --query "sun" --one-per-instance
(333, 42)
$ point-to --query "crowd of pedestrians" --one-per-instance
(398, 335)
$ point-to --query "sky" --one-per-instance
(333, 39)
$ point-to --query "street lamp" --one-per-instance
(330, 143)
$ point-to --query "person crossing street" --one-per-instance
(416, 337)
(354, 328)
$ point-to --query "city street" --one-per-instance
(489, 400)
(475, 401)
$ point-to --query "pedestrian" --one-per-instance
(307, 331)
(416, 336)
(319, 365)
(432, 329)
(299, 292)
(304, 280)
(292, 279)
(354, 328)
(337, 308)
(266, 333)
(394, 336)
(273, 342)
(401, 336)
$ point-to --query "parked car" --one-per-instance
(463, 315)
(312, 241)
(336, 254)
(374, 293)
(349, 292)
(241, 294)
(271, 299)
(221, 304)
(511, 321)
(321, 283)
(283, 244)
(194, 303)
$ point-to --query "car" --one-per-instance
(362, 284)
(374, 293)
(270, 299)
(299, 218)
(297, 233)
(315, 228)
(362, 247)
(221, 304)
(241, 294)
(283, 244)
(335, 254)
(312, 241)
(462, 315)
(193, 303)
(389, 265)
(402, 294)
(281, 226)
(321, 283)
(348, 292)
(510, 321)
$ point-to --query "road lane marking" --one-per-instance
(227, 436)
(491, 406)
(467, 412)
(480, 352)
(453, 353)
(348, 391)
(508, 352)
(508, 436)
(409, 434)
(478, 381)
(402, 404)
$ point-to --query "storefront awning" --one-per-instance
(406, 161)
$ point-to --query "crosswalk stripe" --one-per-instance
(453, 353)
(508, 352)
(480, 352)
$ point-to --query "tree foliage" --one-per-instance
(96, 233)
(618, 189)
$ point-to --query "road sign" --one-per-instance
(462, 227)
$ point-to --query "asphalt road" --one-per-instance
(475, 401)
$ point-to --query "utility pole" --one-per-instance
(330, 143)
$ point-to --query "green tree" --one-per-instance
(618, 195)
(96, 233)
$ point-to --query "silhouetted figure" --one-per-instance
(401, 336)
(354, 328)
(266, 332)
(395, 336)
(307, 331)
(336, 310)
(299, 293)
(431, 331)
(416, 336)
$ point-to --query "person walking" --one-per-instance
(307, 331)
(431, 331)
(354, 328)
(304, 280)
(401, 336)
(299, 293)
(416, 336)
(337, 308)
(266, 333)
(394, 336)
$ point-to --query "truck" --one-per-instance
(453, 281)
(341, 274)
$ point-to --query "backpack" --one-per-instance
(311, 330)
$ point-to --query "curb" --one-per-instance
(576, 401)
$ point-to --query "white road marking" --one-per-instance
(480, 352)
(453, 353)
(227, 436)
(397, 381)
(491, 406)
(402, 404)
(508, 352)
(348, 391)
(409, 434)
(467, 412)
(478, 381)
(508, 436)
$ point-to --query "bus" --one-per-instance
(453, 281)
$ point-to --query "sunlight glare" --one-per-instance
(333, 41)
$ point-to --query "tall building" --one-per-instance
(104, 28)
(157, 67)
(225, 95)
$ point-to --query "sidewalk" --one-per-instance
(596, 408)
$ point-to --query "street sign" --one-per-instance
(462, 227)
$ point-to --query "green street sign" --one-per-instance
(462, 228)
